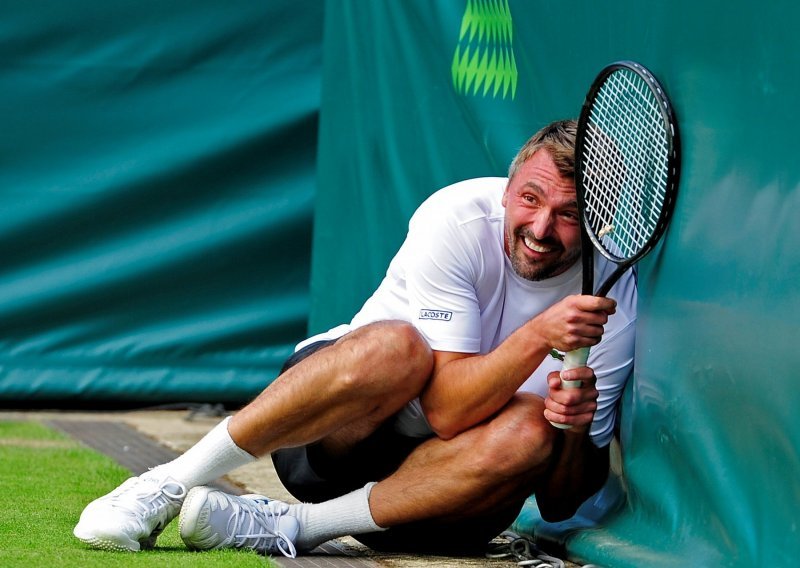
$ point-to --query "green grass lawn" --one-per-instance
(46, 479)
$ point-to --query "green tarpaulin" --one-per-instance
(164, 165)
(157, 188)
(419, 94)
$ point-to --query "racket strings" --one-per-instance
(626, 157)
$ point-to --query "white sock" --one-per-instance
(214, 455)
(345, 515)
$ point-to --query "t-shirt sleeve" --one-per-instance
(612, 374)
(440, 276)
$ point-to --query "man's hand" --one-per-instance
(574, 322)
(572, 406)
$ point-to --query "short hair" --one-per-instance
(558, 138)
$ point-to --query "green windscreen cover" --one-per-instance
(420, 94)
(157, 188)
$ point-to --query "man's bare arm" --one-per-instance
(466, 389)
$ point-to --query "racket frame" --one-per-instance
(590, 241)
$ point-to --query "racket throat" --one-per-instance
(605, 288)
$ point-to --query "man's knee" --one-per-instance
(391, 352)
(394, 340)
(519, 440)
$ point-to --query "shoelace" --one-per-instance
(525, 552)
(143, 501)
(261, 519)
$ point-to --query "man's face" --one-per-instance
(542, 227)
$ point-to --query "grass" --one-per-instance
(45, 481)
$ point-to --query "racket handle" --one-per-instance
(572, 360)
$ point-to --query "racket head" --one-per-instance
(627, 162)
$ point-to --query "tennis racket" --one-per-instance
(627, 168)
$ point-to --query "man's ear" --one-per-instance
(504, 201)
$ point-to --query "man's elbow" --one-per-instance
(445, 427)
(446, 423)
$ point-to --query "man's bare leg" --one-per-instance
(357, 383)
(362, 379)
(486, 470)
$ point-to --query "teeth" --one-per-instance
(534, 247)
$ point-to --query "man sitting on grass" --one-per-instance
(424, 424)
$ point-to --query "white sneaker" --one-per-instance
(213, 519)
(132, 516)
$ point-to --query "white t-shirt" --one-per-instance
(452, 279)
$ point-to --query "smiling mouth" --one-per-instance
(535, 246)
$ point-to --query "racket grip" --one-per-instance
(572, 360)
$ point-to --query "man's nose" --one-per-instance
(542, 225)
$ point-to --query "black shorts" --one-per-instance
(312, 476)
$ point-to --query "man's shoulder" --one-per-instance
(465, 200)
